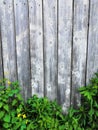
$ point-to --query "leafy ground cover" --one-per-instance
(42, 114)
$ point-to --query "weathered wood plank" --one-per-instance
(22, 46)
(79, 48)
(50, 47)
(92, 61)
(1, 64)
(64, 52)
(36, 47)
(8, 39)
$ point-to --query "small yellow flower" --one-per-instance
(24, 115)
(19, 115)
(9, 83)
(26, 121)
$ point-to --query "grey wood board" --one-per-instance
(36, 47)
(1, 63)
(92, 61)
(64, 52)
(8, 39)
(50, 48)
(80, 28)
(22, 46)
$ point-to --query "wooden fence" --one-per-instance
(50, 46)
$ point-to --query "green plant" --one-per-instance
(86, 116)
(89, 109)
(36, 113)
(11, 104)
(44, 114)
(72, 122)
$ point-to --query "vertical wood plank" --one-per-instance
(64, 52)
(1, 64)
(36, 47)
(79, 47)
(92, 61)
(22, 46)
(8, 39)
(50, 47)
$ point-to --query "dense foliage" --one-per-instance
(86, 117)
(42, 114)
(11, 104)
(45, 115)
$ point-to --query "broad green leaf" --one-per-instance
(1, 114)
(7, 118)
(6, 107)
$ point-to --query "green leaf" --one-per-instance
(13, 113)
(17, 126)
(62, 127)
(7, 118)
(2, 87)
(11, 94)
(23, 127)
(4, 99)
(19, 97)
(1, 104)
(6, 107)
(31, 126)
(1, 114)
(14, 102)
(14, 119)
(91, 112)
(6, 125)
(97, 113)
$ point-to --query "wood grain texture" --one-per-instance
(79, 48)
(92, 61)
(8, 39)
(50, 47)
(22, 46)
(1, 64)
(64, 52)
(36, 47)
